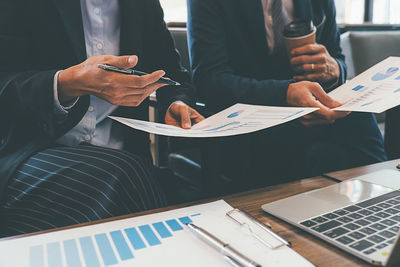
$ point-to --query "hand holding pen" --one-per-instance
(122, 90)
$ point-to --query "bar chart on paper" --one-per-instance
(159, 239)
(105, 249)
(235, 120)
(375, 90)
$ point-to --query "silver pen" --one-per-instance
(163, 80)
(231, 255)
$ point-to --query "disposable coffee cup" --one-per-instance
(299, 33)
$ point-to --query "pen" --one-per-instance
(230, 254)
(107, 67)
(268, 229)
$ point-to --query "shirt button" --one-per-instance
(97, 10)
(87, 137)
(91, 108)
(99, 46)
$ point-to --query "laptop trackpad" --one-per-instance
(310, 204)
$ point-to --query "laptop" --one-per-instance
(360, 216)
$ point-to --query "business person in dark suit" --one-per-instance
(62, 161)
(238, 55)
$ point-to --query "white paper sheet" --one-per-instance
(238, 119)
(375, 90)
(77, 247)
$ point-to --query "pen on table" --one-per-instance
(231, 255)
(107, 67)
(268, 229)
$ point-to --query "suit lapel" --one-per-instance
(132, 17)
(254, 17)
(71, 15)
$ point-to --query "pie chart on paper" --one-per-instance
(384, 75)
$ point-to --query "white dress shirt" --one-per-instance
(101, 24)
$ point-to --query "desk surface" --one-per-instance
(313, 249)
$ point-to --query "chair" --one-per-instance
(363, 49)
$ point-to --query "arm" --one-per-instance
(26, 95)
(212, 71)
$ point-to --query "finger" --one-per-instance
(184, 114)
(307, 59)
(134, 81)
(195, 116)
(122, 61)
(323, 97)
(133, 100)
(308, 49)
(313, 68)
(316, 77)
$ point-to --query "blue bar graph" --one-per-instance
(121, 245)
(358, 88)
(185, 220)
(36, 256)
(101, 246)
(71, 253)
(135, 239)
(174, 225)
(162, 230)
(89, 252)
(149, 235)
(54, 258)
(106, 250)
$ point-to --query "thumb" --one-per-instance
(123, 61)
(323, 97)
(185, 117)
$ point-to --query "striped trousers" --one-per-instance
(62, 186)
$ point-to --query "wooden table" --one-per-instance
(316, 251)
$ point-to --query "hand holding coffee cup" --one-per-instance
(310, 61)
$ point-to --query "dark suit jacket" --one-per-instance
(229, 52)
(40, 37)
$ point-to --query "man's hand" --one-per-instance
(116, 88)
(181, 115)
(314, 63)
(310, 94)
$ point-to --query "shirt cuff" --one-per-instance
(58, 107)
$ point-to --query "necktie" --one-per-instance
(279, 20)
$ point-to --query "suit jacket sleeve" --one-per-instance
(160, 53)
(330, 38)
(212, 72)
(26, 94)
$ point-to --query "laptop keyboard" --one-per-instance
(366, 227)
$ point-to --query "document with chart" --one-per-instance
(238, 119)
(375, 90)
(160, 239)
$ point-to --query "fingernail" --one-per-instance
(131, 60)
(187, 125)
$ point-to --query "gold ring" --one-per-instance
(312, 66)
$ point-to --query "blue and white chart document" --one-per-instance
(375, 90)
(160, 239)
(238, 119)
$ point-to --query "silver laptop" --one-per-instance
(360, 216)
